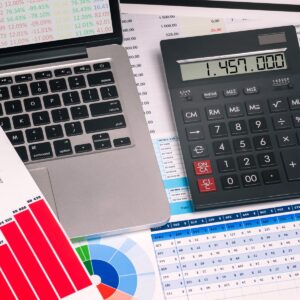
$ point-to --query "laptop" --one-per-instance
(70, 107)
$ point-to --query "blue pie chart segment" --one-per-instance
(114, 268)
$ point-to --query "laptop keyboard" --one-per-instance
(62, 112)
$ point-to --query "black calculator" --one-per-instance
(236, 104)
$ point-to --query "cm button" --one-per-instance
(191, 115)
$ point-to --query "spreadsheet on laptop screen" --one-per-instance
(24, 22)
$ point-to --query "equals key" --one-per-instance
(194, 133)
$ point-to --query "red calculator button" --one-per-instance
(202, 167)
(207, 185)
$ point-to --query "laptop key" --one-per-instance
(54, 132)
(71, 98)
(77, 82)
(63, 147)
(39, 88)
(40, 118)
(13, 107)
(58, 85)
(34, 135)
(100, 78)
(82, 69)
(43, 75)
(5, 123)
(103, 124)
(32, 104)
(122, 142)
(16, 137)
(79, 112)
(101, 141)
(51, 101)
(73, 128)
(21, 121)
(104, 108)
(40, 151)
(22, 152)
(6, 80)
(60, 115)
(19, 90)
(102, 66)
(4, 94)
(83, 148)
(23, 77)
(90, 95)
(63, 72)
(109, 92)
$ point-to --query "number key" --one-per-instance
(226, 165)
(246, 162)
(262, 142)
(250, 179)
(218, 130)
(238, 127)
(242, 145)
(222, 147)
(266, 159)
(230, 182)
(258, 125)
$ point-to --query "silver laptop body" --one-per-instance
(104, 180)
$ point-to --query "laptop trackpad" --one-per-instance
(42, 179)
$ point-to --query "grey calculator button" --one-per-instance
(254, 108)
(191, 115)
(291, 161)
(234, 110)
(198, 150)
(231, 92)
(214, 112)
(278, 105)
(250, 90)
(294, 102)
(194, 133)
(210, 95)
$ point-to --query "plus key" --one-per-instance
(291, 161)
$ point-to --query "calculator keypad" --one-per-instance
(239, 139)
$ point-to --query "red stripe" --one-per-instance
(14, 275)
(5, 290)
(60, 244)
(45, 254)
(25, 256)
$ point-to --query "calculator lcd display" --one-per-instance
(234, 65)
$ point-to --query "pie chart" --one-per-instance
(121, 272)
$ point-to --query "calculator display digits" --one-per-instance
(236, 106)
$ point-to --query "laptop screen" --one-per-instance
(27, 22)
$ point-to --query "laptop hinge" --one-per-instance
(24, 59)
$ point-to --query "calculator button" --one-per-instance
(296, 120)
(254, 108)
(210, 95)
(250, 179)
(194, 133)
(222, 147)
(246, 162)
(262, 142)
(231, 92)
(202, 167)
(226, 165)
(234, 110)
(291, 161)
(230, 182)
(251, 90)
(191, 115)
(266, 159)
(242, 145)
(278, 105)
(282, 122)
(286, 139)
(218, 130)
(207, 185)
(198, 150)
(271, 176)
(294, 102)
(258, 125)
(238, 127)
(215, 112)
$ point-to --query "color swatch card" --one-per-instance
(37, 261)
